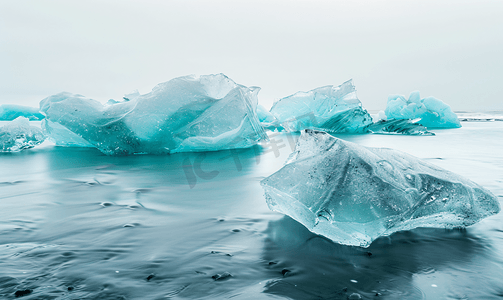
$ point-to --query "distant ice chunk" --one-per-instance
(493, 116)
(433, 112)
(267, 120)
(354, 194)
(128, 97)
(380, 116)
(18, 135)
(190, 113)
(9, 112)
(330, 108)
(407, 127)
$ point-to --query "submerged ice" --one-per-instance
(354, 194)
(433, 112)
(407, 127)
(18, 135)
(330, 108)
(190, 113)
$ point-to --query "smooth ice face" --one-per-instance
(263, 115)
(433, 112)
(9, 112)
(397, 126)
(330, 108)
(18, 135)
(354, 194)
(61, 136)
(188, 113)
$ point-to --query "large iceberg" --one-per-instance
(18, 135)
(354, 194)
(9, 112)
(433, 112)
(191, 113)
(334, 109)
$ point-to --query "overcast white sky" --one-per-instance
(452, 50)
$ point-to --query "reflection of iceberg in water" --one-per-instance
(185, 114)
(354, 194)
(321, 269)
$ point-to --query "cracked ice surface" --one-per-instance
(354, 194)
(18, 135)
(329, 108)
(433, 112)
(190, 113)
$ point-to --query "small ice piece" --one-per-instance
(329, 108)
(433, 112)
(18, 135)
(354, 194)
(190, 113)
(400, 126)
(9, 112)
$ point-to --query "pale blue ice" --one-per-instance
(433, 112)
(190, 113)
(399, 126)
(18, 135)
(354, 194)
(9, 112)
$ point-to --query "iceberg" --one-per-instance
(9, 112)
(407, 127)
(185, 114)
(433, 112)
(353, 194)
(18, 135)
(334, 109)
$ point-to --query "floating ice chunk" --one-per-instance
(188, 113)
(9, 112)
(408, 127)
(18, 135)
(433, 112)
(329, 108)
(354, 194)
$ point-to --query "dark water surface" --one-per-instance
(76, 224)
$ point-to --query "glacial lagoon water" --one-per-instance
(77, 224)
